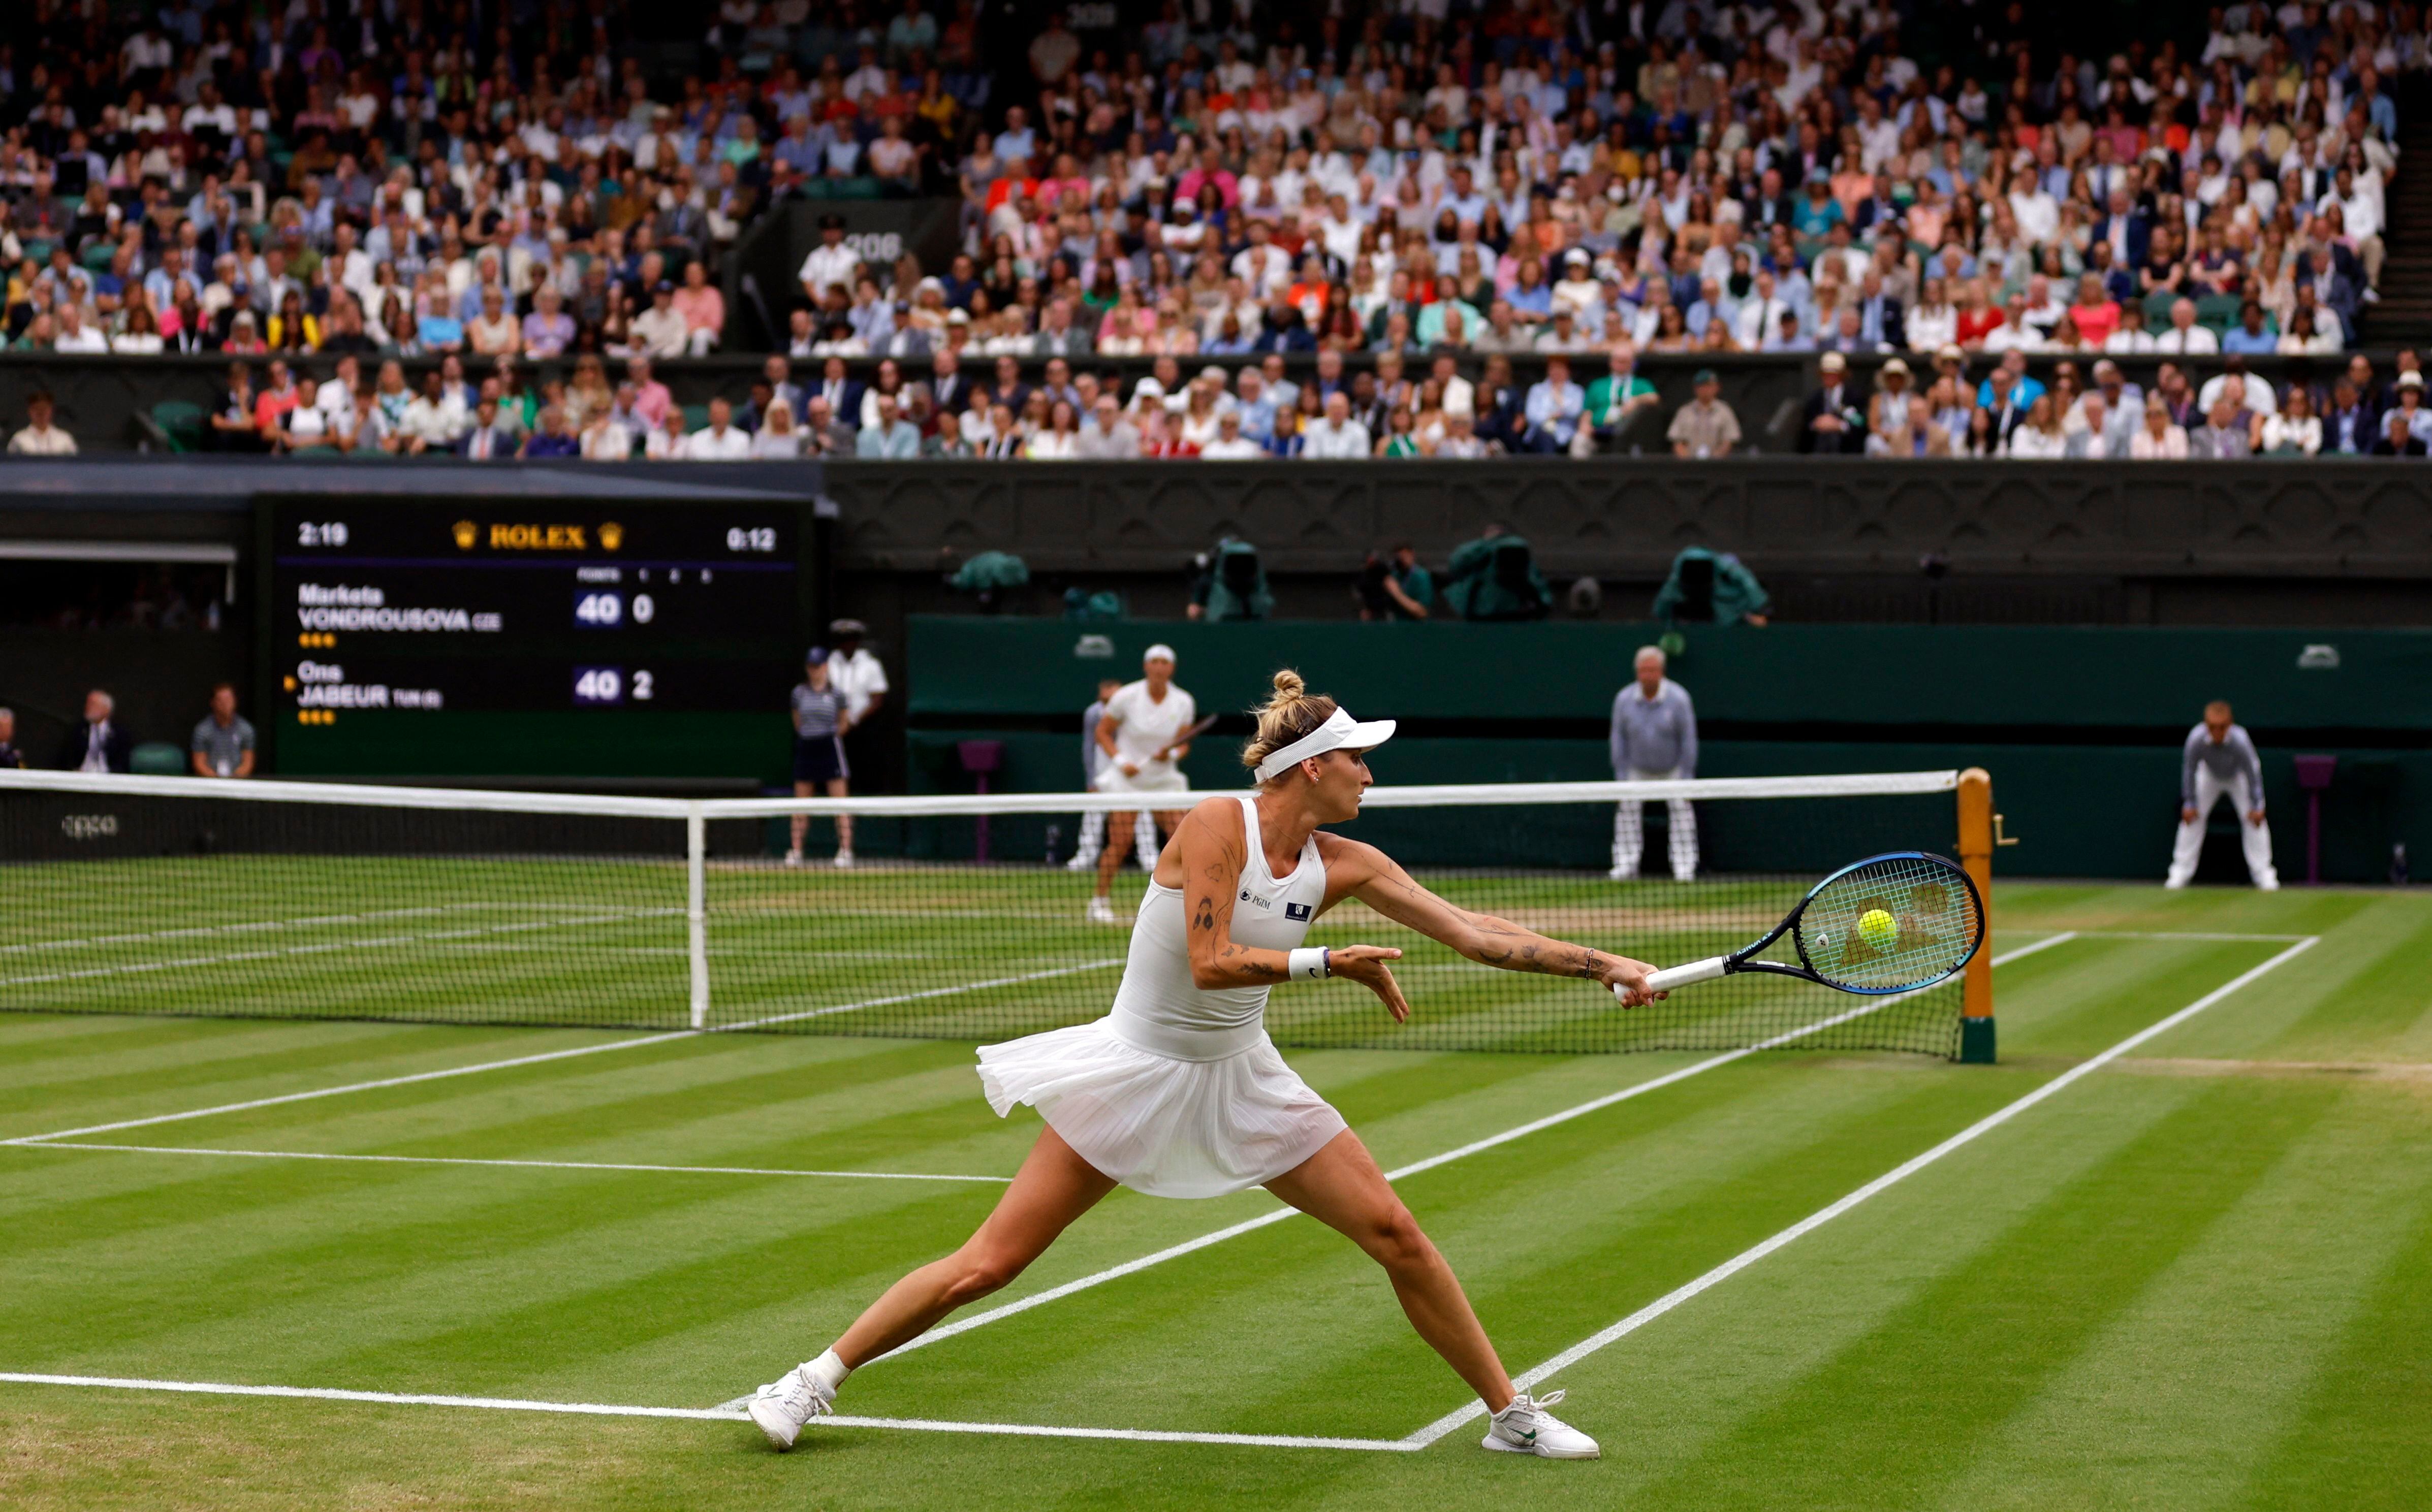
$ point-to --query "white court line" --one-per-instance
(531, 1060)
(2189, 935)
(1452, 1422)
(965, 1325)
(605, 1409)
(541, 1164)
(326, 946)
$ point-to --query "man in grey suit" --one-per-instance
(1654, 739)
(1057, 336)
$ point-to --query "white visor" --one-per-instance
(1340, 733)
(1159, 652)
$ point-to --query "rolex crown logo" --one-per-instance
(466, 532)
(612, 535)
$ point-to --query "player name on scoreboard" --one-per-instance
(419, 607)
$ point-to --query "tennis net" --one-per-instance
(963, 918)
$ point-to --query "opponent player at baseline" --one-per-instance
(1140, 733)
(1178, 1092)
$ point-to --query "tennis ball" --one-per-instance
(1878, 929)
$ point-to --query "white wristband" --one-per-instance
(1310, 963)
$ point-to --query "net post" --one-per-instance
(695, 908)
(1976, 1041)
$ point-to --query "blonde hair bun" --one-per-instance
(1288, 683)
(1293, 711)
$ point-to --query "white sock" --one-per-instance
(827, 1370)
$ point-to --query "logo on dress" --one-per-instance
(1298, 913)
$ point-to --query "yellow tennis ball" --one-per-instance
(1878, 929)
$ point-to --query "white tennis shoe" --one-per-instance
(1101, 911)
(1525, 1427)
(793, 858)
(844, 859)
(783, 1406)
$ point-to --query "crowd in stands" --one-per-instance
(1434, 189)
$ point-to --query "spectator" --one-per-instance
(1831, 421)
(2039, 436)
(1108, 436)
(2295, 431)
(2249, 335)
(487, 438)
(2226, 433)
(12, 756)
(893, 439)
(721, 440)
(831, 264)
(97, 745)
(606, 437)
(2159, 440)
(659, 331)
(1705, 427)
(554, 438)
(2398, 440)
(40, 438)
(1616, 400)
(701, 308)
(1654, 739)
(1336, 437)
(1229, 444)
(223, 743)
(1555, 408)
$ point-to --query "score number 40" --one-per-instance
(606, 611)
(597, 685)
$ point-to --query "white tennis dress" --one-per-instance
(1178, 1092)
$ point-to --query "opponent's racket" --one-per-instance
(1890, 923)
(1185, 738)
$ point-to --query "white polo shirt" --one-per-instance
(1144, 725)
(859, 678)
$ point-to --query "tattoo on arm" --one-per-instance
(1205, 920)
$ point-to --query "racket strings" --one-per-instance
(1895, 923)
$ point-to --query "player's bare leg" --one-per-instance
(1054, 1187)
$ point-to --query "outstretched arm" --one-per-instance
(1364, 872)
(1212, 848)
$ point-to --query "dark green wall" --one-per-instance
(2080, 729)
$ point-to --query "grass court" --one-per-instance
(2195, 1273)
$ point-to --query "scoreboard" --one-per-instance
(399, 616)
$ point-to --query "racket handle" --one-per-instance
(1681, 976)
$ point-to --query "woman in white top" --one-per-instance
(1145, 732)
(2039, 438)
(1178, 1092)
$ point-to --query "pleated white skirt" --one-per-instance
(1161, 1125)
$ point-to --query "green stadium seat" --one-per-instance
(182, 422)
(157, 758)
(2219, 312)
(696, 417)
(2157, 310)
(97, 253)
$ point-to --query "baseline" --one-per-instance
(605, 1409)
(1128, 1268)
(541, 1165)
(1452, 1420)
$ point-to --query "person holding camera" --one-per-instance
(1395, 586)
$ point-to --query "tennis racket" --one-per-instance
(1931, 924)
(1185, 738)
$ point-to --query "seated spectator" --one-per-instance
(12, 756)
(1336, 437)
(1231, 445)
(1705, 427)
(606, 437)
(2296, 431)
(2038, 437)
(2398, 440)
(2348, 425)
(222, 741)
(2158, 439)
(1831, 421)
(2249, 335)
(701, 308)
(2227, 433)
(552, 438)
(1555, 408)
(40, 438)
(487, 438)
(98, 744)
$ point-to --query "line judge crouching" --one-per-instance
(1141, 734)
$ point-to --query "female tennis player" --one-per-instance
(1179, 1093)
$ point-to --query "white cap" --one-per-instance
(1161, 652)
(1340, 733)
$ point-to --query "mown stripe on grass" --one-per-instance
(2260, 1301)
(1942, 1373)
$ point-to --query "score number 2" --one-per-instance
(600, 686)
